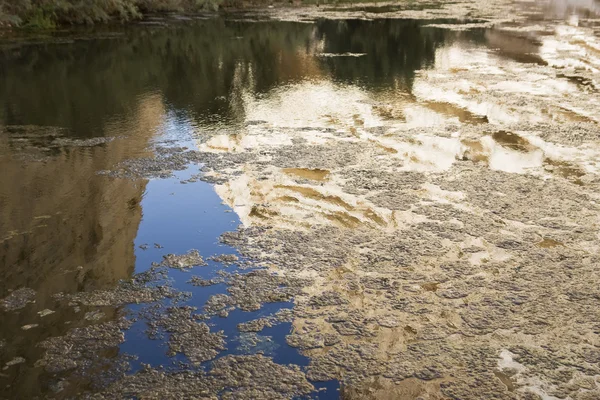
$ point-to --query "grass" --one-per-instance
(48, 14)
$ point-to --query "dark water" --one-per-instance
(64, 228)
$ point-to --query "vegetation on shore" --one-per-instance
(47, 14)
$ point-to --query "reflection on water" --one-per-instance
(66, 229)
(70, 110)
(201, 68)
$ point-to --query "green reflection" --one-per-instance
(201, 68)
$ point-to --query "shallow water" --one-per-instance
(414, 93)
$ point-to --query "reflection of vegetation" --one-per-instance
(394, 50)
(201, 68)
(195, 67)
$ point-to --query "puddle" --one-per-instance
(505, 379)
(547, 243)
(316, 195)
(512, 141)
(566, 170)
(430, 287)
(451, 110)
(307, 173)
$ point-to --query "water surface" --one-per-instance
(72, 106)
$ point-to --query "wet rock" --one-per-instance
(329, 298)
(226, 259)
(120, 296)
(94, 315)
(256, 325)
(18, 299)
(184, 261)
(188, 336)
(312, 341)
(45, 313)
(80, 348)
(62, 142)
(15, 361)
(252, 343)
(258, 377)
(158, 384)
(198, 281)
(248, 291)
(165, 161)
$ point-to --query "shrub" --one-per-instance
(46, 14)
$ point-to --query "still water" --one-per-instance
(75, 104)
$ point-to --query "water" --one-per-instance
(66, 228)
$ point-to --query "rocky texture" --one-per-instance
(81, 349)
(453, 259)
(231, 377)
(250, 290)
(189, 336)
(161, 165)
(183, 261)
(460, 257)
(258, 377)
(18, 299)
(145, 287)
(257, 325)
(227, 259)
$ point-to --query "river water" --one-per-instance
(412, 177)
